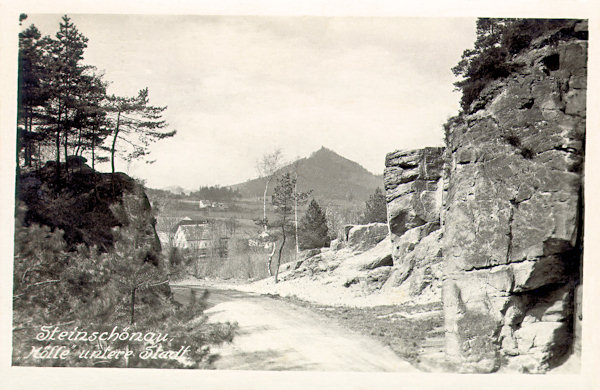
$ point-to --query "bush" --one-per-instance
(82, 288)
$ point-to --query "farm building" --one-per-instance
(204, 237)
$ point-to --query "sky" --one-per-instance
(238, 87)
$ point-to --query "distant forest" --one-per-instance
(216, 193)
(211, 193)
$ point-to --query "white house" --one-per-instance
(203, 237)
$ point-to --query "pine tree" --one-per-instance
(134, 121)
(375, 208)
(313, 231)
(31, 94)
(59, 96)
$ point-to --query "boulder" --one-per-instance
(364, 237)
(83, 206)
(336, 244)
(305, 254)
(380, 261)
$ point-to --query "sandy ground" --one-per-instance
(277, 335)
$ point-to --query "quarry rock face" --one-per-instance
(513, 215)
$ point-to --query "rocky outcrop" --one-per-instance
(413, 193)
(362, 264)
(513, 215)
(498, 215)
(413, 184)
(81, 203)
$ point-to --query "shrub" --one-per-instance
(80, 288)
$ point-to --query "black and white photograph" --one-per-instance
(299, 195)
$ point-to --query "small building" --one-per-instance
(203, 237)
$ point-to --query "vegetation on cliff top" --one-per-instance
(498, 40)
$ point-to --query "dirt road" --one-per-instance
(278, 335)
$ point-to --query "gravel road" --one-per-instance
(278, 335)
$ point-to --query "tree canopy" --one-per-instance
(64, 108)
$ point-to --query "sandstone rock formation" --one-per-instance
(413, 184)
(498, 214)
(513, 214)
(361, 264)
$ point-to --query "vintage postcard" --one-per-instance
(243, 199)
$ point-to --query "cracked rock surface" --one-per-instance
(513, 215)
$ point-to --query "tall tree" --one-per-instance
(31, 94)
(135, 122)
(297, 202)
(266, 167)
(284, 198)
(89, 120)
(64, 72)
(59, 96)
(313, 231)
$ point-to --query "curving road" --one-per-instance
(278, 335)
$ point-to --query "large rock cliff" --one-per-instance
(512, 238)
(509, 207)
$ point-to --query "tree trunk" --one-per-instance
(31, 146)
(296, 213)
(279, 257)
(265, 204)
(66, 132)
(78, 148)
(57, 141)
(93, 147)
(271, 260)
(112, 149)
(27, 150)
